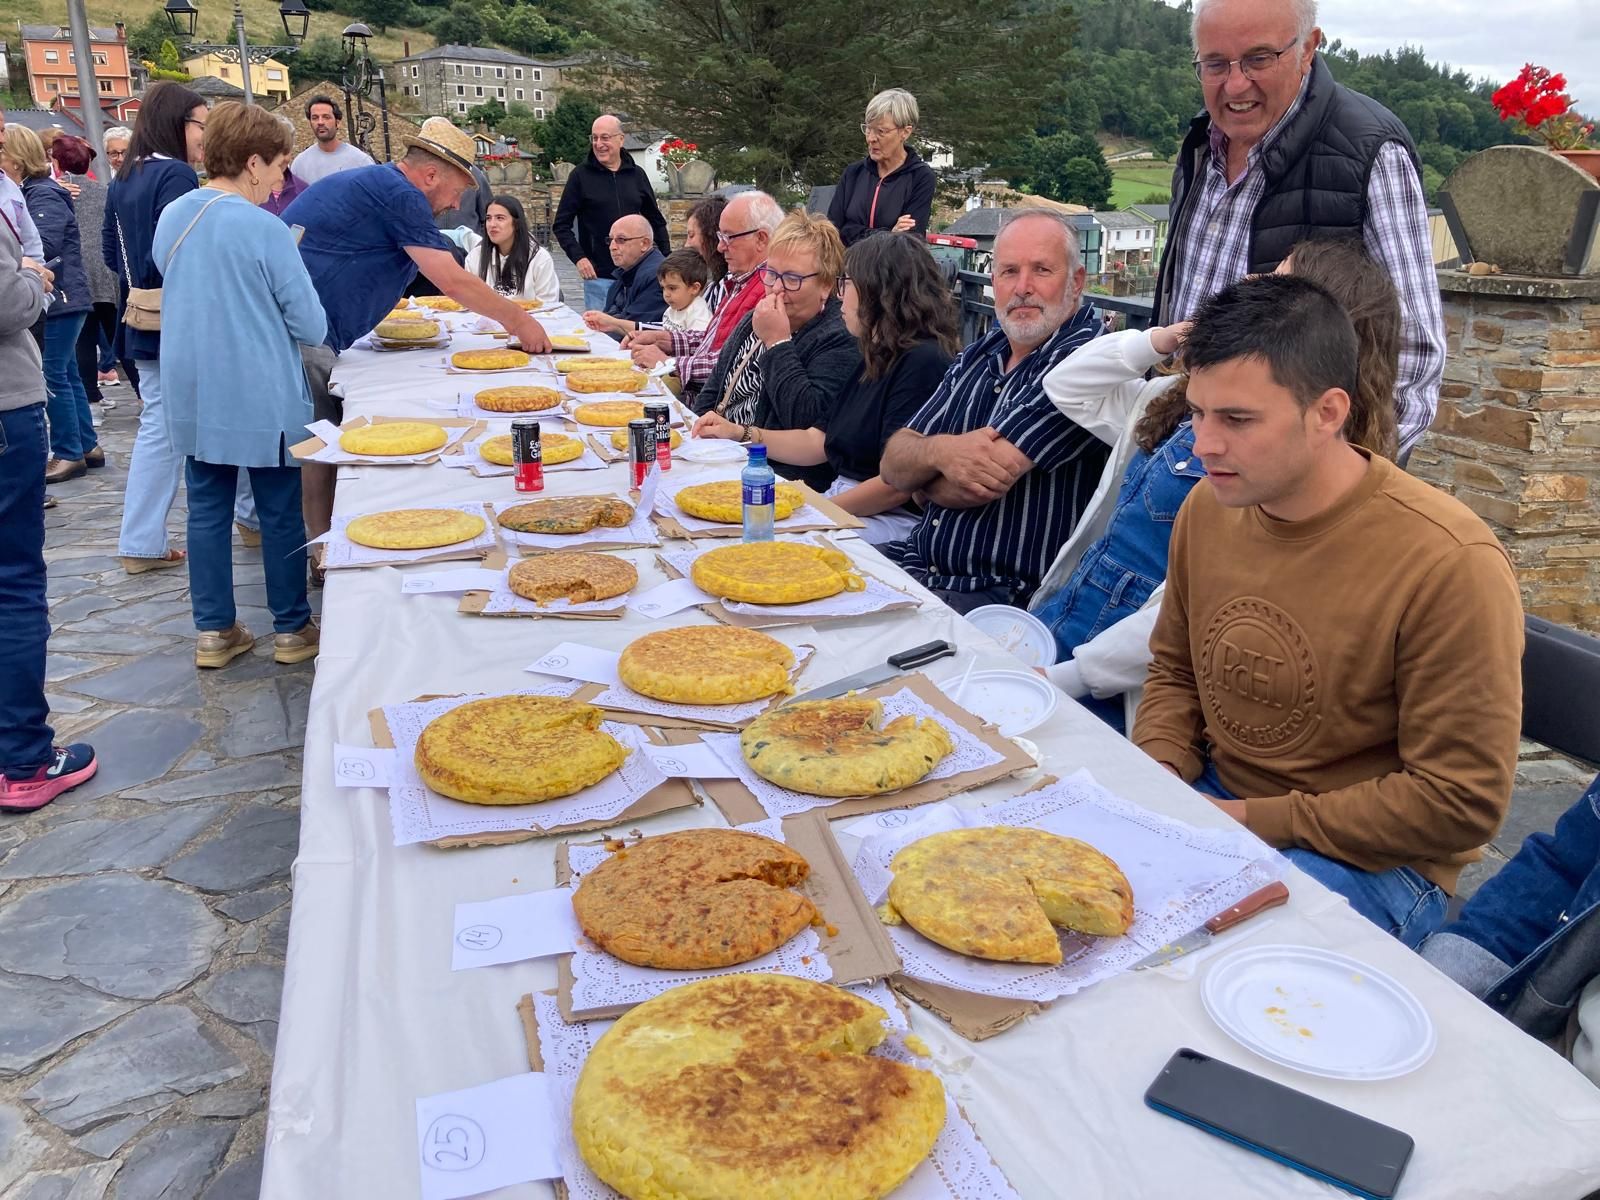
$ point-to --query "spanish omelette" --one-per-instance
(393, 438)
(580, 578)
(438, 303)
(694, 899)
(608, 412)
(842, 747)
(517, 399)
(402, 327)
(753, 1087)
(590, 382)
(567, 514)
(488, 360)
(619, 438)
(775, 572)
(415, 528)
(516, 750)
(594, 362)
(568, 341)
(706, 664)
(998, 891)
(723, 501)
(553, 448)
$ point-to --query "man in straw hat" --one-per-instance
(367, 234)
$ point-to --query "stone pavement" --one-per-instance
(145, 916)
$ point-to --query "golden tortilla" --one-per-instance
(393, 438)
(568, 341)
(553, 448)
(518, 399)
(439, 303)
(842, 748)
(775, 572)
(706, 664)
(595, 362)
(609, 412)
(593, 382)
(997, 892)
(516, 750)
(619, 438)
(723, 501)
(567, 514)
(415, 528)
(753, 1087)
(578, 577)
(488, 360)
(695, 899)
(400, 327)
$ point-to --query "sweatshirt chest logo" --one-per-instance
(1257, 679)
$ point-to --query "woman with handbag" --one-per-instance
(236, 287)
(168, 136)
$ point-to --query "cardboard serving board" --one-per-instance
(314, 445)
(717, 612)
(803, 655)
(674, 793)
(853, 939)
(837, 519)
(619, 542)
(474, 602)
(739, 807)
(456, 552)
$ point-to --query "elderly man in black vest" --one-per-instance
(1283, 154)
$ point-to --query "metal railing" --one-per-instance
(977, 308)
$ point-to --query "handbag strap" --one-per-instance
(186, 228)
(127, 271)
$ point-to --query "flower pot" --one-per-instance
(1524, 210)
(560, 170)
(674, 180)
(699, 177)
(1584, 160)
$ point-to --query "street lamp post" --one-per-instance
(83, 60)
(360, 75)
(296, 17)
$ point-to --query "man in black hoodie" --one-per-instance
(607, 185)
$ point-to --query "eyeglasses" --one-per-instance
(723, 237)
(839, 287)
(881, 131)
(604, 137)
(790, 280)
(1255, 63)
(619, 241)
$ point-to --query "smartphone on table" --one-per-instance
(1312, 1136)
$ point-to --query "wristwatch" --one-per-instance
(744, 436)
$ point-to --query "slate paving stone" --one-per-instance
(105, 1140)
(258, 720)
(144, 1063)
(135, 747)
(81, 564)
(257, 620)
(154, 679)
(20, 1147)
(119, 844)
(227, 1102)
(63, 666)
(275, 933)
(200, 760)
(253, 905)
(66, 704)
(251, 776)
(43, 1015)
(113, 641)
(255, 845)
(79, 607)
(239, 1180)
(87, 1182)
(145, 613)
(120, 934)
(59, 587)
(174, 1162)
(244, 995)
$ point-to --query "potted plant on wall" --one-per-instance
(1537, 101)
(676, 154)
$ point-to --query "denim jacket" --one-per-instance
(1529, 940)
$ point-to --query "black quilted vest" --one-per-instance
(1316, 171)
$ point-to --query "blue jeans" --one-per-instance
(71, 425)
(212, 488)
(1398, 900)
(596, 292)
(1125, 565)
(25, 733)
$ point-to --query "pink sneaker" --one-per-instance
(68, 767)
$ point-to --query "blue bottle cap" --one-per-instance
(758, 453)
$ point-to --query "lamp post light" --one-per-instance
(182, 15)
(359, 77)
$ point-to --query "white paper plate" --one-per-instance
(1318, 1012)
(1019, 631)
(712, 450)
(1016, 701)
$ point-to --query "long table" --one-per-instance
(373, 1017)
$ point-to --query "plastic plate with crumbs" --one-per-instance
(1014, 701)
(1019, 631)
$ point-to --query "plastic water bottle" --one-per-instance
(760, 488)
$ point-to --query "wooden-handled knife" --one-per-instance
(1257, 901)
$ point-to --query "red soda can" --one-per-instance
(641, 448)
(526, 455)
(661, 413)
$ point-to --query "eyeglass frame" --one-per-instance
(769, 277)
(1200, 65)
(604, 138)
(868, 130)
(841, 283)
(724, 237)
(613, 239)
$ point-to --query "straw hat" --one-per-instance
(438, 136)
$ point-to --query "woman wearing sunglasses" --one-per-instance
(786, 363)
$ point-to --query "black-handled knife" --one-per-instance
(905, 660)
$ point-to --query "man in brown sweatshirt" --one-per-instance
(1340, 644)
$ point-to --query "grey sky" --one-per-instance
(1482, 37)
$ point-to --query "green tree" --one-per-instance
(381, 14)
(167, 57)
(320, 58)
(773, 91)
(491, 113)
(462, 25)
(520, 123)
(144, 39)
(564, 134)
(524, 29)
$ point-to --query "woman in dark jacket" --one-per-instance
(72, 156)
(73, 444)
(169, 135)
(891, 188)
(783, 365)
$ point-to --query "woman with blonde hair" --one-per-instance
(234, 385)
(891, 188)
(785, 363)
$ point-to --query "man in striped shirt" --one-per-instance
(1003, 476)
(1283, 154)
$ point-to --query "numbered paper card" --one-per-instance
(512, 928)
(362, 766)
(487, 1137)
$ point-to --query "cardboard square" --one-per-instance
(717, 612)
(739, 807)
(837, 519)
(674, 793)
(313, 445)
(856, 946)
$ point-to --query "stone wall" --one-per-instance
(1517, 438)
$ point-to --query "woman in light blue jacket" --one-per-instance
(237, 305)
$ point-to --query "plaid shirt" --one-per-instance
(1395, 234)
(1011, 541)
(696, 349)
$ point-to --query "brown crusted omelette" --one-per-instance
(842, 747)
(694, 899)
(567, 514)
(580, 578)
(998, 891)
(517, 399)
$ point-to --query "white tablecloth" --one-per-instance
(373, 1017)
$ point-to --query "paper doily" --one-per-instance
(335, 455)
(957, 1168)
(1181, 877)
(639, 532)
(420, 814)
(503, 600)
(970, 754)
(625, 698)
(874, 598)
(339, 551)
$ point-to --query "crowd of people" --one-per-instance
(1210, 515)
